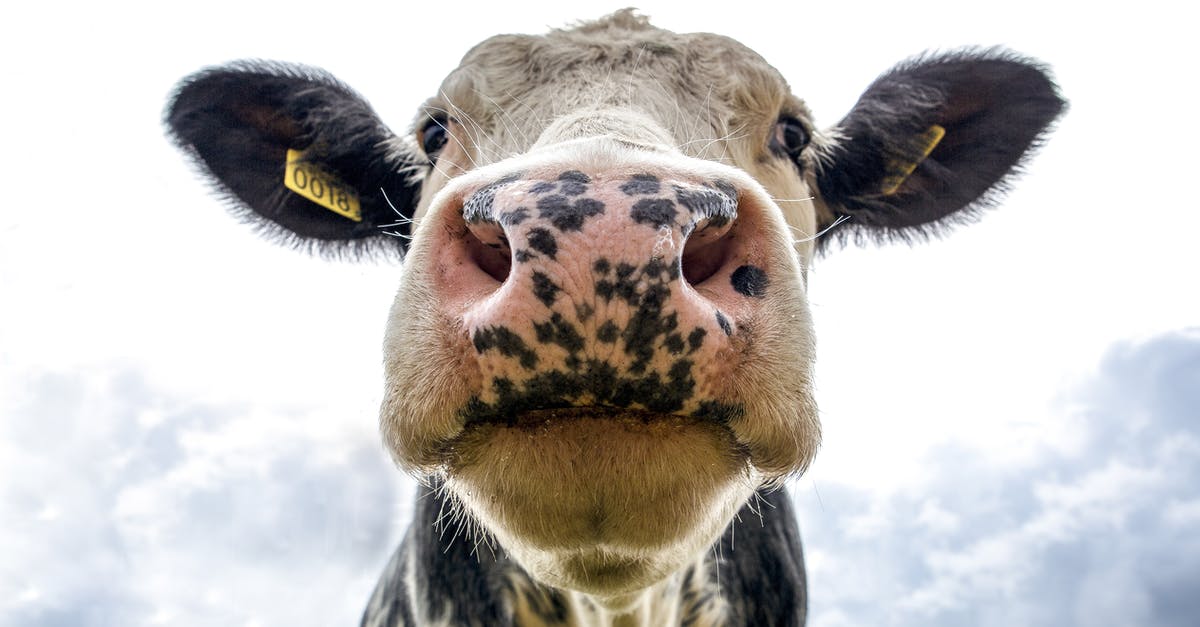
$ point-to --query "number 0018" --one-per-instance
(320, 187)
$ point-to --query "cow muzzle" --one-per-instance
(572, 337)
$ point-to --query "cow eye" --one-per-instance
(790, 137)
(433, 137)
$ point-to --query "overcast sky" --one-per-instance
(188, 414)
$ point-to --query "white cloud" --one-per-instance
(124, 505)
(1108, 534)
(1183, 513)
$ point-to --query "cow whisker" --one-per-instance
(823, 231)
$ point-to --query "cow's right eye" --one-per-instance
(433, 137)
(790, 137)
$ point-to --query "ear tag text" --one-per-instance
(901, 167)
(320, 187)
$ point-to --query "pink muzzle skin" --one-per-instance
(587, 290)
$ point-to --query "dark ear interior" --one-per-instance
(240, 120)
(934, 140)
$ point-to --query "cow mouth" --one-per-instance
(590, 425)
(616, 424)
(534, 419)
(600, 499)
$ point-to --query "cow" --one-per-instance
(599, 361)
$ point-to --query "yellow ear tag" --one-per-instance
(320, 187)
(900, 168)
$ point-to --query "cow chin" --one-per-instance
(599, 501)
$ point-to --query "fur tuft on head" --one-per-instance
(622, 19)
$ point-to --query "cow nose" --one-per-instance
(597, 289)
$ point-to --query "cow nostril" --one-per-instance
(705, 252)
(488, 248)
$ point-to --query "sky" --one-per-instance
(188, 414)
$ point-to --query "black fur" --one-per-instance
(237, 122)
(452, 576)
(390, 603)
(762, 564)
(996, 107)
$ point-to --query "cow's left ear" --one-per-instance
(299, 155)
(932, 140)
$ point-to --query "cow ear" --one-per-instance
(933, 141)
(299, 155)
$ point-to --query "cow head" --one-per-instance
(601, 343)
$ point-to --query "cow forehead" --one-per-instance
(699, 87)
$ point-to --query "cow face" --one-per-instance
(600, 343)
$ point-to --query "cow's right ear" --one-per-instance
(934, 140)
(299, 155)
